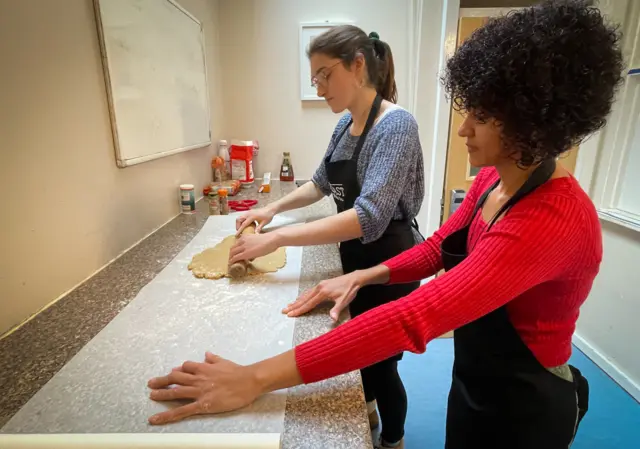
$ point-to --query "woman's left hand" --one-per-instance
(251, 246)
(341, 290)
(215, 386)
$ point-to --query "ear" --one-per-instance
(358, 64)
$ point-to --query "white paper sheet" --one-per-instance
(174, 318)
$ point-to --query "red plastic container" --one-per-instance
(242, 161)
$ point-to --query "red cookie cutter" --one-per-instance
(242, 205)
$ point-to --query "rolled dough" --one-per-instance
(213, 263)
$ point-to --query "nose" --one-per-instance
(320, 90)
(466, 127)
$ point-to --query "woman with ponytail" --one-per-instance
(373, 169)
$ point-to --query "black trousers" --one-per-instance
(382, 383)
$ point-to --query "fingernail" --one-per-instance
(154, 420)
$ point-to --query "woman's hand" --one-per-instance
(215, 386)
(341, 290)
(250, 246)
(262, 216)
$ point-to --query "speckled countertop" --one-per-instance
(329, 414)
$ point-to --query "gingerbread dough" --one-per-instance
(213, 263)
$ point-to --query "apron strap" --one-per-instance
(540, 175)
(373, 113)
(483, 199)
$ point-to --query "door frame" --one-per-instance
(436, 155)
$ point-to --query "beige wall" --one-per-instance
(68, 210)
(260, 53)
(608, 324)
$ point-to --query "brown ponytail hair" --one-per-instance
(346, 41)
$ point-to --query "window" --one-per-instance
(630, 188)
(617, 186)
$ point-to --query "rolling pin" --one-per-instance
(239, 269)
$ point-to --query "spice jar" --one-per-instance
(187, 199)
(224, 202)
(214, 203)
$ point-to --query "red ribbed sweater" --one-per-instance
(540, 260)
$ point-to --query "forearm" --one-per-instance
(276, 373)
(377, 275)
(425, 260)
(336, 228)
(301, 197)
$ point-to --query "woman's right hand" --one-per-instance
(215, 386)
(341, 290)
(262, 216)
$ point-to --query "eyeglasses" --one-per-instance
(322, 78)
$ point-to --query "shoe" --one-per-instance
(381, 444)
(374, 420)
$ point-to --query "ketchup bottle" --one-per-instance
(286, 169)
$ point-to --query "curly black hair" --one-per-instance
(548, 74)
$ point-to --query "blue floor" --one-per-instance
(613, 420)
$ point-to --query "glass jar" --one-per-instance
(214, 203)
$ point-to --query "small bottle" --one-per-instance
(214, 203)
(286, 170)
(224, 202)
(223, 152)
(217, 164)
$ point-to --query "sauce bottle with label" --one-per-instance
(286, 169)
(224, 201)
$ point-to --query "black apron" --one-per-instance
(355, 255)
(501, 396)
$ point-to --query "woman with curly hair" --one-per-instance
(520, 254)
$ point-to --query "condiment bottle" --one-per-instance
(214, 203)
(286, 170)
(218, 168)
(224, 202)
(223, 152)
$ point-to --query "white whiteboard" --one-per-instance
(155, 72)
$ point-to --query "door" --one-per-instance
(459, 175)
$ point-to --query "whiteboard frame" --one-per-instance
(308, 92)
(120, 161)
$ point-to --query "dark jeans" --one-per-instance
(382, 383)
